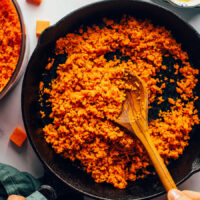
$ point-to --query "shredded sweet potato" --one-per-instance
(10, 41)
(89, 90)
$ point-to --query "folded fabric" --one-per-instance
(12, 181)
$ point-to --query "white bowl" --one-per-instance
(185, 4)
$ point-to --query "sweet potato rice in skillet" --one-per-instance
(89, 88)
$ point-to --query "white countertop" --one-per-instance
(10, 116)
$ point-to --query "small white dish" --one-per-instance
(185, 4)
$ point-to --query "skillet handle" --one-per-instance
(196, 165)
(63, 191)
(48, 192)
(45, 192)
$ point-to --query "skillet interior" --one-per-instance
(64, 169)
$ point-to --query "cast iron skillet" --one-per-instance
(149, 187)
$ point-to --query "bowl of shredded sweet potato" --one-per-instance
(12, 44)
(75, 85)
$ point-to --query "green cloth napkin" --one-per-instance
(12, 181)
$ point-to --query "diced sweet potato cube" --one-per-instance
(18, 136)
(41, 26)
(35, 1)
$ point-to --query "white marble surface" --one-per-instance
(10, 107)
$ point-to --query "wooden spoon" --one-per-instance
(134, 117)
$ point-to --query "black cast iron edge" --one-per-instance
(42, 42)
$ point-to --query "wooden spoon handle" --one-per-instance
(159, 165)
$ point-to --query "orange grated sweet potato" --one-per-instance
(89, 91)
(10, 41)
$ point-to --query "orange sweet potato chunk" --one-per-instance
(35, 1)
(41, 26)
(18, 136)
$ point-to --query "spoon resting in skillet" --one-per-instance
(134, 117)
